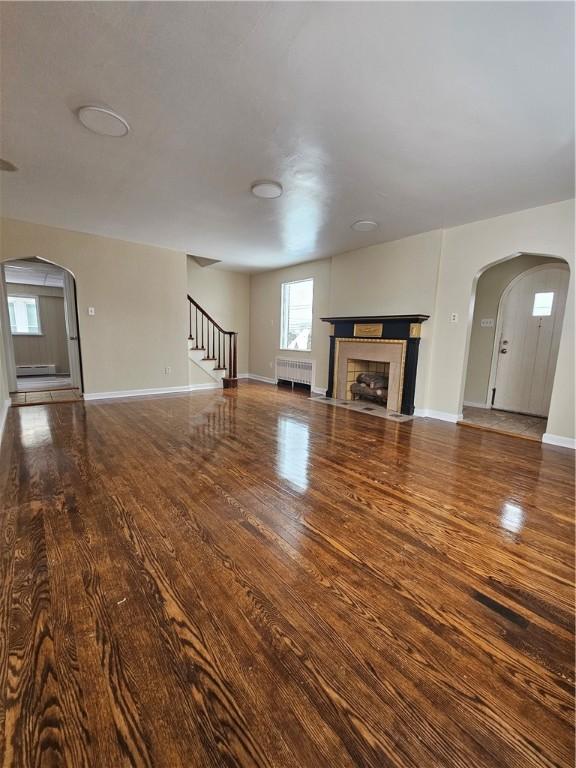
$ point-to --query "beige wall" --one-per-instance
(489, 289)
(225, 295)
(265, 306)
(139, 295)
(466, 253)
(52, 345)
(387, 279)
(141, 325)
(396, 278)
(390, 278)
(434, 273)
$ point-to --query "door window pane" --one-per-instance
(543, 304)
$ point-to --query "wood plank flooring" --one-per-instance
(249, 579)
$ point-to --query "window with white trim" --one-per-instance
(543, 304)
(24, 315)
(296, 330)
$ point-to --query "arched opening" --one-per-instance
(41, 340)
(517, 313)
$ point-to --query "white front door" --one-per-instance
(72, 330)
(528, 336)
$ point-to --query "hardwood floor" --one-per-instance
(250, 579)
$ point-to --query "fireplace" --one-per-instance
(367, 380)
(383, 345)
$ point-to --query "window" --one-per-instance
(24, 315)
(297, 315)
(543, 304)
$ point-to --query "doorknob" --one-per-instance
(503, 351)
(73, 338)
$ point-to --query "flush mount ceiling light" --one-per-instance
(266, 189)
(6, 165)
(365, 225)
(103, 121)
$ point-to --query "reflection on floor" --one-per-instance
(46, 397)
(504, 421)
(42, 383)
(246, 577)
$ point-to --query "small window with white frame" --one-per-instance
(296, 326)
(24, 314)
(543, 304)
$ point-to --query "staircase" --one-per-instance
(211, 348)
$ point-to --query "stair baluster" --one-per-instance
(219, 345)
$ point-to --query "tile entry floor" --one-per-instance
(46, 397)
(504, 421)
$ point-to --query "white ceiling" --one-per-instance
(419, 115)
(32, 272)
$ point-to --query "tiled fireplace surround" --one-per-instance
(393, 339)
(370, 350)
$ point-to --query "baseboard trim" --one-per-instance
(477, 405)
(3, 414)
(144, 392)
(563, 442)
(264, 379)
(196, 387)
(428, 413)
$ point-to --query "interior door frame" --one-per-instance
(72, 325)
(499, 319)
(7, 334)
(72, 330)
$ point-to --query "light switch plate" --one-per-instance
(91, 311)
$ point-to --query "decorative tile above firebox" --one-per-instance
(385, 331)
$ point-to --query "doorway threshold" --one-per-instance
(47, 397)
(504, 422)
(497, 431)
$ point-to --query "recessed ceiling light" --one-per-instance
(266, 189)
(6, 165)
(365, 225)
(103, 121)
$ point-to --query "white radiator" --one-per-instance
(296, 371)
(36, 370)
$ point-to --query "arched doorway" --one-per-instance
(41, 343)
(514, 341)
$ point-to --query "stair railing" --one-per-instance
(219, 345)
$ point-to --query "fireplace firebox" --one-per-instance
(375, 358)
(368, 380)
